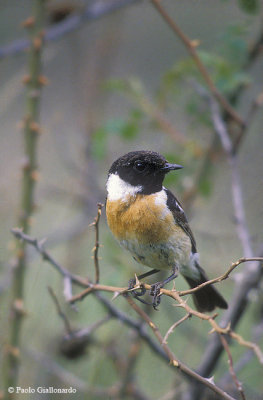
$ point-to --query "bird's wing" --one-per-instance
(180, 217)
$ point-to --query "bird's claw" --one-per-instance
(155, 292)
(138, 292)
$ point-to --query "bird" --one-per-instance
(148, 221)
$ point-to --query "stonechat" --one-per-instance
(149, 222)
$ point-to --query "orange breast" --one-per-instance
(141, 218)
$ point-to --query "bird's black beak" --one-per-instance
(170, 167)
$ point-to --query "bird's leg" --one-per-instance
(155, 288)
(142, 290)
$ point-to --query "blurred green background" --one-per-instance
(106, 81)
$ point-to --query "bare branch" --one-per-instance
(59, 311)
(171, 293)
(222, 277)
(177, 323)
(231, 368)
(39, 246)
(191, 47)
(93, 11)
(97, 244)
(237, 196)
(121, 316)
(173, 360)
(124, 290)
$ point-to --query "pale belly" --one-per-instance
(162, 256)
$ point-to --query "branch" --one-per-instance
(121, 316)
(31, 132)
(237, 196)
(61, 314)
(174, 362)
(91, 288)
(92, 12)
(39, 246)
(97, 244)
(177, 323)
(250, 277)
(137, 326)
(231, 368)
(222, 277)
(191, 47)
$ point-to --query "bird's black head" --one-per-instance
(143, 168)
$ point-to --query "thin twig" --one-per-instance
(39, 246)
(237, 383)
(60, 312)
(177, 323)
(220, 278)
(191, 47)
(97, 243)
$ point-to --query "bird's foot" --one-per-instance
(155, 292)
(138, 292)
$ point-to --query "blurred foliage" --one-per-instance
(249, 6)
(122, 128)
(225, 66)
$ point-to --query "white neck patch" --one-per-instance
(118, 189)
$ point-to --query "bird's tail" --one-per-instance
(207, 298)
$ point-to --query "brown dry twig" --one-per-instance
(97, 244)
(177, 323)
(162, 350)
(222, 277)
(231, 368)
(89, 287)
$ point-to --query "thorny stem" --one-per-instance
(31, 130)
(91, 288)
(172, 293)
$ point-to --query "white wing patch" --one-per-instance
(118, 189)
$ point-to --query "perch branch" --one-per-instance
(222, 277)
(172, 293)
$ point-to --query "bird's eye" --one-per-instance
(140, 166)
